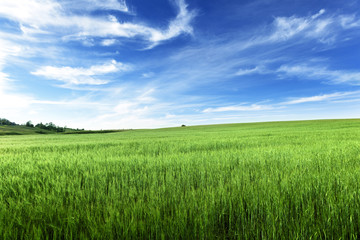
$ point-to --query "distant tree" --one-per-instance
(4, 121)
(40, 125)
(29, 124)
(50, 126)
(183, 125)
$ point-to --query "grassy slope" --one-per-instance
(280, 180)
(21, 130)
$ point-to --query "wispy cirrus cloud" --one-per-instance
(248, 71)
(349, 21)
(273, 105)
(238, 108)
(108, 42)
(10, 102)
(3, 81)
(81, 76)
(91, 5)
(321, 73)
(28, 12)
(320, 98)
(313, 26)
(56, 20)
(113, 28)
(181, 24)
(8, 50)
(254, 53)
(319, 26)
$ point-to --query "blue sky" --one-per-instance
(113, 64)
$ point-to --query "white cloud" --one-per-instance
(91, 5)
(181, 24)
(309, 27)
(319, 98)
(322, 73)
(253, 107)
(170, 116)
(88, 27)
(55, 19)
(8, 49)
(148, 75)
(40, 13)
(320, 27)
(321, 12)
(13, 101)
(134, 108)
(78, 76)
(349, 21)
(77, 103)
(34, 13)
(108, 42)
(4, 81)
(242, 72)
(133, 111)
(286, 28)
(147, 96)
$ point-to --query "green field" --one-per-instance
(278, 180)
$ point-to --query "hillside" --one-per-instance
(8, 127)
(24, 130)
(21, 130)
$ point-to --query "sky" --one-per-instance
(121, 64)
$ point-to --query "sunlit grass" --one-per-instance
(286, 180)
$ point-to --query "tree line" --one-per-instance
(4, 121)
(47, 126)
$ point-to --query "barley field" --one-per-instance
(276, 180)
